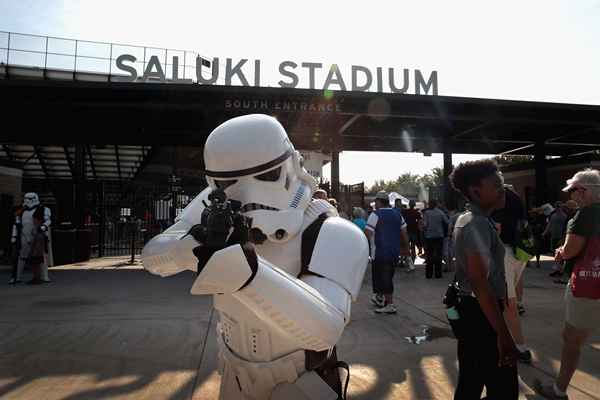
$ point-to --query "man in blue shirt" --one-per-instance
(388, 228)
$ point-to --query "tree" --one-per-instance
(434, 178)
(409, 181)
(397, 185)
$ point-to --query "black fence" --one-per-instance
(118, 219)
(349, 196)
(122, 222)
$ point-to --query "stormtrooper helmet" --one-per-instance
(30, 200)
(253, 160)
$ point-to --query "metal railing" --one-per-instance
(92, 57)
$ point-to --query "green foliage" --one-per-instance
(406, 180)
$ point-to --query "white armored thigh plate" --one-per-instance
(341, 254)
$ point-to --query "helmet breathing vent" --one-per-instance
(298, 196)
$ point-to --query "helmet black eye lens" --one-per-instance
(224, 183)
(270, 176)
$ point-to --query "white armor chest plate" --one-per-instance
(247, 336)
(27, 232)
(27, 221)
(284, 255)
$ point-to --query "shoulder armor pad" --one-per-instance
(316, 208)
(341, 254)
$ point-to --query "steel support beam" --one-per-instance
(69, 160)
(147, 158)
(473, 129)
(91, 158)
(449, 197)
(574, 144)
(335, 173)
(41, 160)
(571, 134)
(78, 180)
(118, 161)
(349, 123)
(8, 152)
(540, 173)
(517, 149)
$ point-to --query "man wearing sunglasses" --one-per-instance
(581, 253)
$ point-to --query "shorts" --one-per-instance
(413, 237)
(383, 276)
(513, 269)
(580, 312)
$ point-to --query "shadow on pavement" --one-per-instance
(123, 333)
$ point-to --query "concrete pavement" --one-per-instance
(105, 329)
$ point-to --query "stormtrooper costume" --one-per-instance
(275, 314)
(24, 230)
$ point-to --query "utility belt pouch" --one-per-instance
(452, 302)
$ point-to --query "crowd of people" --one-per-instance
(487, 245)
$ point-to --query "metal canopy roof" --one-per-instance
(102, 163)
(151, 113)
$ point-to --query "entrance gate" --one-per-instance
(119, 218)
(120, 223)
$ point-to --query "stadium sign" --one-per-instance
(356, 78)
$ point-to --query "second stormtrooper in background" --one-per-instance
(283, 301)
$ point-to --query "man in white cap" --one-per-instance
(582, 296)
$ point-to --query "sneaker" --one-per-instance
(547, 391)
(555, 274)
(378, 300)
(525, 356)
(387, 309)
(14, 281)
(46, 280)
(521, 309)
(411, 268)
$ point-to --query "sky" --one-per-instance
(533, 50)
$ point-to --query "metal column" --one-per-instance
(449, 198)
(102, 224)
(78, 189)
(541, 182)
(335, 174)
